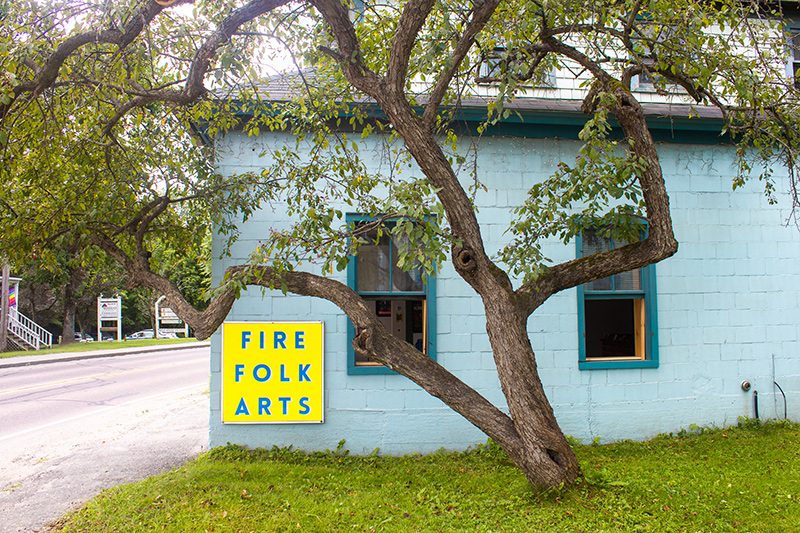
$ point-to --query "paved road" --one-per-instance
(70, 429)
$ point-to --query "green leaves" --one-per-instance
(599, 190)
(337, 154)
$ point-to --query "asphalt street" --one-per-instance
(70, 429)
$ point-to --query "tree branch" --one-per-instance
(374, 340)
(660, 242)
(194, 87)
(411, 21)
(479, 19)
(48, 73)
(337, 17)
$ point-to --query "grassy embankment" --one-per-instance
(744, 479)
(90, 346)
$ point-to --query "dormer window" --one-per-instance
(794, 56)
(490, 70)
(647, 80)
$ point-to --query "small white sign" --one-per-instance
(168, 316)
(108, 308)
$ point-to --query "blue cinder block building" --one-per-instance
(645, 352)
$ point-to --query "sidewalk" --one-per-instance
(27, 360)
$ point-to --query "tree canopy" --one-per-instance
(102, 105)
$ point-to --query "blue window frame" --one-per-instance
(617, 316)
(404, 301)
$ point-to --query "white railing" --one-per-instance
(28, 331)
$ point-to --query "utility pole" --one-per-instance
(4, 307)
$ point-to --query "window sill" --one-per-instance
(607, 365)
(369, 370)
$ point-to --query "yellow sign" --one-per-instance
(272, 372)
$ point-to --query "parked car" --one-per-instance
(83, 337)
(144, 334)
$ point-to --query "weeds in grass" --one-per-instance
(684, 482)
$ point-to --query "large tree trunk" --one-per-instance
(68, 328)
(70, 306)
(546, 457)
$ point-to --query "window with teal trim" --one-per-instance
(402, 300)
(617, 320)
(794, 55)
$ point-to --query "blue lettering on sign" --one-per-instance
(245, 339)
(242, 409)
(304, 408)
(299, 341)
(261, 340)
(283, 374)
(285, 401)
(302, 373)
(279, 340)
(239, 372)
(265, 377)
(263, 406)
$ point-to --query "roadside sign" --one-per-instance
(168, 316)
(272, 372)
(165, 316)
(109, 310)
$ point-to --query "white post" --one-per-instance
(4, 307)
(99, 320)
(158, 314)
(119, 318)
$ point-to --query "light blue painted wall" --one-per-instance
(727, 308)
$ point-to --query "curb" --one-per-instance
(119, 352)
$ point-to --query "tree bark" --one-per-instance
(540, 450)
(68, 327)
(70, 306)
(547, 458)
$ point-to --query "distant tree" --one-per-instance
(115, 86)
(61, 285)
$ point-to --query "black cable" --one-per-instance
(755, 403)
(785, 412)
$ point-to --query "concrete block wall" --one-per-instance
(727, 306)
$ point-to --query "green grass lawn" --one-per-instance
(738, 479)
(89, 346)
